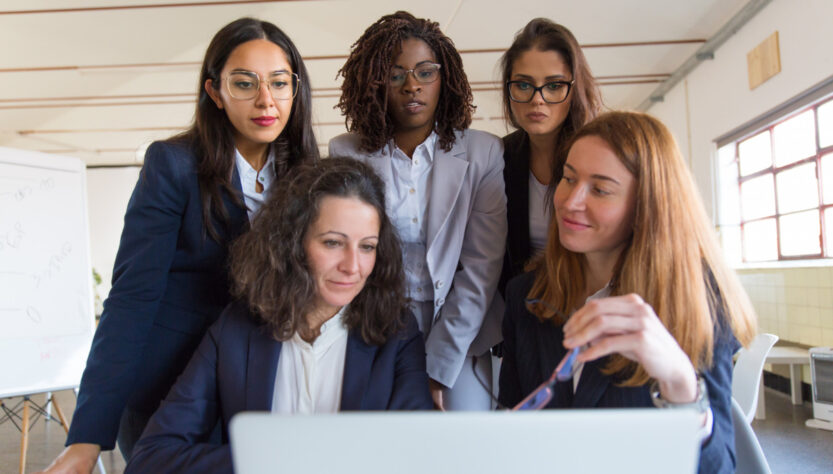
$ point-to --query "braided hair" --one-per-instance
(366, 73)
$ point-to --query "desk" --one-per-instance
(795, 357)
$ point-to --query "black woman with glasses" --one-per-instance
(196, 193)
(548, 93)
(408, 106)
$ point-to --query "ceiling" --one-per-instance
(100, 79)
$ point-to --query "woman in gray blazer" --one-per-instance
(408, 105)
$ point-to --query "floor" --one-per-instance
(788, 445)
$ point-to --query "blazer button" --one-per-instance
(439, 284)
(440, 302)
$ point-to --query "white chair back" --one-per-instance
(746, 376)
(748, 453)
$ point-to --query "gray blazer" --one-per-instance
(466, 236)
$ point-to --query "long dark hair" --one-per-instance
(586, 103)
(269, 266)
(364, 91)
(212, 135)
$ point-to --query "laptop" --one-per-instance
(599, 440)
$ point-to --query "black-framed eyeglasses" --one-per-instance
(425, 73)
(553, 92)
(245, 85)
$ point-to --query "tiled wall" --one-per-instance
(795, 304)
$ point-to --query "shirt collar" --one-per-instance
(430, 145)
(243, 166)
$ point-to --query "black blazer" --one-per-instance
(532, 349)
(169, 285)
(516, 179)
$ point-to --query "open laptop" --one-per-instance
(600, 440)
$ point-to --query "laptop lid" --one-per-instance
(600, 440)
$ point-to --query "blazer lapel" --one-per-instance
(358, 361)
(550, 353)
(517, 187)
(592, 384)
(238, 217)
(261, 369)
(447, 177)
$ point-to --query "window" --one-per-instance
(777, 189)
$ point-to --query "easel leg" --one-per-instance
(59, 413)
(24, 435)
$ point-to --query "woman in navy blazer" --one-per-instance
(169, 281)
(322, 249)
(543, 55)
(633, 282)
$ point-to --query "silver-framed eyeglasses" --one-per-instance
(424, 73)
(553, 92)
(245, 85)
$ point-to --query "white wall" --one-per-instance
(108, 190)
(718, 90)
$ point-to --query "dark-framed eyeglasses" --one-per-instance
(245, 85)
(425, 73)
(553, 92)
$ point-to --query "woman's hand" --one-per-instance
(629, 326)
(77, 458)
(436, 389)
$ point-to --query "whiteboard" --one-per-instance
(46, 299)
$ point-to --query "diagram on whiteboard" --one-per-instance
(41, 293)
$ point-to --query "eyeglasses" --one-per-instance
(553, 92)
(424, 73)
(541, 396)
(245, 85)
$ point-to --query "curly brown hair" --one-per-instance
(366, 73)
(269, 267)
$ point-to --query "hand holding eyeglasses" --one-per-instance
(628, 326)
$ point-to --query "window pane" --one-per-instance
(729, 199)
(759, 241)
(825, 113)
(800, 234)
(731, 241)
(757, 197)
(755, 154)
(827, 178)
(798, 188)
(795, 139)
(828, 232)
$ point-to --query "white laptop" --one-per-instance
(550, 441)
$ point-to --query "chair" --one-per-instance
(748, 453)
(746, 376)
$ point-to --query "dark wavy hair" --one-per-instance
(366, 73)
(586, 103)
(269, 267)
(211, 136)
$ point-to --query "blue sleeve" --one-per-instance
(718, 453)
(410, 386)
(177, 436)
(146, 251)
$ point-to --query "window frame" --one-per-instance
(774, 171)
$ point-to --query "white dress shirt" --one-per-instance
(407, 202)
(540, 215)
(309, 376)
(250, 176)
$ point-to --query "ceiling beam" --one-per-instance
(139, 7)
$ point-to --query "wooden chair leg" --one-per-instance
(24, 435)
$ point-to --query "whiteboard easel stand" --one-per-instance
(21, 412)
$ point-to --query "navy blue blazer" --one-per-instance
(234, 370)
(532, 350)
(169, 285)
